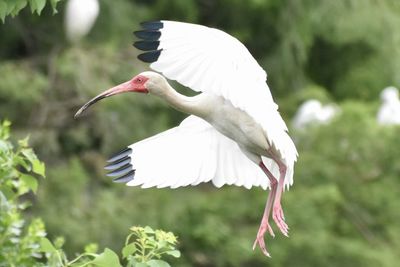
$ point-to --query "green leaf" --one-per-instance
(141, 264)
(107, 259)
(29, 154)
(38, 167)
(47, 246)
(174, 253)
(37, 5)
(24, 142)
(91, 248)
(7, 191)
(5, 127)
(3, 11)
(54, 5)
(158, 263)
(18, 5)
(148, 230)
(30, 182)
(128, 250)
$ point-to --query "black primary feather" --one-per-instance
(121, 171)
(152, 25)
(150, 57)
(125, 178)
(119, 155)
(148, 35)
(147, 45)
(116, 164)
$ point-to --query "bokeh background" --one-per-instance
(344, 208)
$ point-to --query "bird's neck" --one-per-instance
(189, 105)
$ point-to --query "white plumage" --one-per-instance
(389, 112)
(80, 17)
(212, 61)
(235, 134)
(192, 153)
(312, 112)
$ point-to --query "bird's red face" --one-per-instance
(136, 84)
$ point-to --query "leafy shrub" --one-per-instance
(23, 243)
(18, 171)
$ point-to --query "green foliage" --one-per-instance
(148, 247)
(25, 244)
(19, 170)
(144, 247)
(13, 7)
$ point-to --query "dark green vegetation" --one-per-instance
(344, 207)
(23, 243)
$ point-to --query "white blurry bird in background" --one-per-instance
(80, 17)
(389, 112)
(234, 134)
(312, 112)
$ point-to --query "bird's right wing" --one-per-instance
(192, 153)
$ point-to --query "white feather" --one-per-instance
(192, 153)
(228, 70)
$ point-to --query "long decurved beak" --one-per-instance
(122, 88)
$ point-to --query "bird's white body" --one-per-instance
(234, 134)
(312, 112)
(389, 112)
(237, 125)
(80, 17)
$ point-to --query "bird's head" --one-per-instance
(145, 82)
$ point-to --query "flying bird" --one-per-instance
(312, 112)
(389, 112)
(234, 133)
(80, 17)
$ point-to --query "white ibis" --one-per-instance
(389, 112)
(312, 112)
(234, 134)
(80, 17)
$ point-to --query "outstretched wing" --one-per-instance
(192, 153)
(210, 60)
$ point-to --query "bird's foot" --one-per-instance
(279, 218)
(260, 237)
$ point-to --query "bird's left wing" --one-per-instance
(210, 60)
(192, 153)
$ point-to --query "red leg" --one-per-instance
(264, 226)
(277, 212)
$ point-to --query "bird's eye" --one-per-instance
(139, 80)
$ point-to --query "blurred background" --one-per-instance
(344, 207)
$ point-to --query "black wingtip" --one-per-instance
(119, 155)
(150, 57)
(118, 163)
(147, 45)
(121, 170)
(148, 35)
(152, 25)
(125, 178)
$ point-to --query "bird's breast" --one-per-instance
(237, 125)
